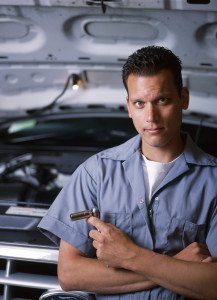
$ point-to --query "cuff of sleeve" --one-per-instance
(56, 230)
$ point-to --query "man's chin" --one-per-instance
(155, 142)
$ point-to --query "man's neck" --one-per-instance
(163, 154)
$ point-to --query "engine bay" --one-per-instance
(29, 183)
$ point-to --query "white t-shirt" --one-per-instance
(154, 174)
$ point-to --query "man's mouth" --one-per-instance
(153, 130)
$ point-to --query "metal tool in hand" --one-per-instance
(93, 212)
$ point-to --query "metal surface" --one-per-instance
(29, 253)
(27, 272)
(42, 42)
(61, 295)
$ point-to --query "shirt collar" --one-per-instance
(195, 155)
(192, 153)
(123, 151)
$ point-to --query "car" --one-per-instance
(62, 100)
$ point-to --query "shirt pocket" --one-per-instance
(182, 233)
(123, 221)
(193, 233)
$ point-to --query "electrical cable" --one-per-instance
(53, 103)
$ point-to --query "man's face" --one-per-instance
(156, 109)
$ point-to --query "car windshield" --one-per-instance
(78, 131)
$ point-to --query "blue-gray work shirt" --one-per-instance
(183, 207)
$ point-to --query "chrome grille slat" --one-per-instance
(26, 271)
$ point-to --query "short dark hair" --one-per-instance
(149, 61)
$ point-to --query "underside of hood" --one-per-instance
(43, 42)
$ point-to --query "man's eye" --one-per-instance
(162, 100)
(138, 103)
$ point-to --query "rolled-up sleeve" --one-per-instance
(77, 195)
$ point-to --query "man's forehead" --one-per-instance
(158, 84)
(147, 95)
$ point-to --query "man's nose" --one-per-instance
(151, 113)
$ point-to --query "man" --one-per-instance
(157, 194)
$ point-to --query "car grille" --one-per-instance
(26, 273)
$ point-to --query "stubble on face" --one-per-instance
(156, 110)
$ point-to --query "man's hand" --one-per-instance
(193, 279)
(113, 245)
(196, 252)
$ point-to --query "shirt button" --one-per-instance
(156, 198)
(141, 201)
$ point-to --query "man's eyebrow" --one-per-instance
(143, 99)
(136, 99)
(163, 95)
(157, 97)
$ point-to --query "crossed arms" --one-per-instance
(192, 272)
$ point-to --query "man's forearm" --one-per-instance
(192, 279)
(97, 278)
(182, 274)
(77, 272)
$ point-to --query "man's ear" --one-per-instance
(185, 98)
(128, 108)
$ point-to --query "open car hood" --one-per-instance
(44, 42)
